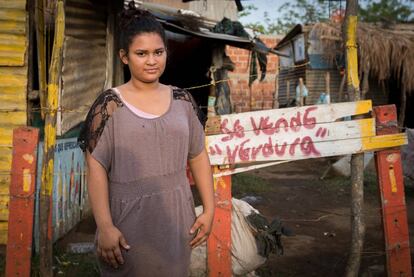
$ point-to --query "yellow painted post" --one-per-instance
(46, 252)
(352, 55)
(357, 160)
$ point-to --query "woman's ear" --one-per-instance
(123, 56)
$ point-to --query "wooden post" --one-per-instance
(41, 52)
(391, 188)
(328, 87)
(46, 251)
(300, 93)
(287, 92)
(341, 90)
(276, 94)
(219, 242)
(357, 160)
(21, 205)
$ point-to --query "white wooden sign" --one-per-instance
(297, 133)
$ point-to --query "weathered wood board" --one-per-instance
(297, 133)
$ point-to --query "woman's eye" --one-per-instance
(140, 54)
(159, 52)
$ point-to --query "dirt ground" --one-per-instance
(317, 211)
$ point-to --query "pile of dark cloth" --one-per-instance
(268, 236)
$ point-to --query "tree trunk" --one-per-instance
(357, 161)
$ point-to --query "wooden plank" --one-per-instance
(46, 251)
(11, 118)
(4, 207)
(296, 116)
(3, 232)
(5, 159)
(22, 188)
(318, 132)
(6, 136)
(393, 207)
(219, 242)
(251, 147)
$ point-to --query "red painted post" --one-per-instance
(21, 204)
(219, 242)
(391, 187)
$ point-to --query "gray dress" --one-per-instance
(149, 195)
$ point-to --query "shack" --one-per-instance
(90, 65)
(385, 62)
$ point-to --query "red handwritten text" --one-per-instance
(300, 146)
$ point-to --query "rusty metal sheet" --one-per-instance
(86, 20)
(83, 73)
(83, 78)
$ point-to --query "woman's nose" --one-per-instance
(151, 59)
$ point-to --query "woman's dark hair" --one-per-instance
(134, 21)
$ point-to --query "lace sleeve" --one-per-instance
(101, 110)
(183, 94)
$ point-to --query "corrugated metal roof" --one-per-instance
(13, 91)
(84, 60)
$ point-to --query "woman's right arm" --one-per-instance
(109, 237)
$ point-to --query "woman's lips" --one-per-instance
(151, 70)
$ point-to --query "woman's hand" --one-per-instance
(203, 226)
(110, 241)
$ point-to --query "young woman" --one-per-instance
(138, 138)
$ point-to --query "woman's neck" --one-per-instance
(143, 87)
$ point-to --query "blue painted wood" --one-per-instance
(69, 188)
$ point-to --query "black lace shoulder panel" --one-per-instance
(101, 110)
(182, 94)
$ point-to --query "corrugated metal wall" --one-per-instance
(292, 75)
(84, 63)
(13, 91)
(314, 81)
(316, 84)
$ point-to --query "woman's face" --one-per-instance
(146, 57)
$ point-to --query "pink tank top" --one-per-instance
(133, 108)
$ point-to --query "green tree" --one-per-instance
(389, 10)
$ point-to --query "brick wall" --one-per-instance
(260, 95)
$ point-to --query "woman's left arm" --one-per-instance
(201, 171)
